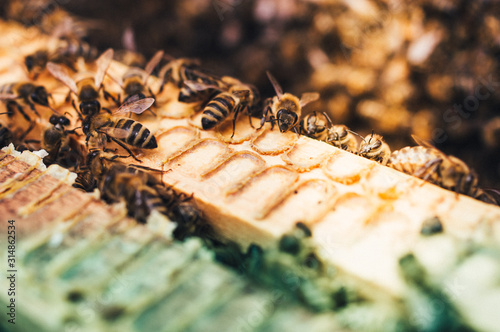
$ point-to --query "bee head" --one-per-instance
(286, 119)
(62, 120)
(40, 96)
(90, 107)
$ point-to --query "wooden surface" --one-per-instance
(254, 188)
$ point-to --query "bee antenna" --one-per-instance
(355, 133)
(328, 118)
(68, 113)
(370, 137)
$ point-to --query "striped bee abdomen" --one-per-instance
(137, 134)
(217, 110)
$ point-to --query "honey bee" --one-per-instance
(55, 137)
(141, 191)
(285, 108)
(17, 95)
(375, 148)
(430, 164)
(104, 126)
(321, 127)
(86, 89)
(233, 97)
(178, 71)
(315, 126)
(85, 180)
(123, 131)
(134, 80)
(68, 54)
(117, 181)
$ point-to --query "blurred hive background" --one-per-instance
(422, 67)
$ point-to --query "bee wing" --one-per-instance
(241, 93)
(135, 105)
(200, 86)
(276, 85)
(308, 97)
(103, 63)
(60, 73)
(421, 142)
(7, 96)
(114, 132)
(155, 60)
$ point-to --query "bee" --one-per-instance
(123, 131)
(85, 180)
(315, 126)
(117, 181)
(86, 89)
(68, 54)
(233, 97)
(134, 80)
(178, 71)
(17, 95)
(285, 108)
(375, 148)
(321, 127)
(430, 164)
(55, 138)
(104, 126)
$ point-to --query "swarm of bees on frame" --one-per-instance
(219, 97)
(396, 67)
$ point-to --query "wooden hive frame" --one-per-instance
(255, 187)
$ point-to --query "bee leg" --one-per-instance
(264, 117)
(107, 110)
(429, 168)
(124, 147)
(32, 107)
(296, 131)
(30, 128)
(235, 117)
(68, 97)
(153, 96)
(109, 96)
(77, 111)
(11, 107)
(116, 156)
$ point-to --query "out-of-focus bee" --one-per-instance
(67, 54)
(178, 71)
(320, 127)
(55, 138)
(17, 95)
(134, 80)
(117, 181)
(233, 97)
(430, 164)
(85, 180)
(341, 137)
(375, 148)
(285, 108)
(49, 16)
